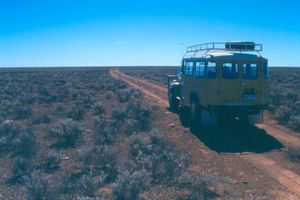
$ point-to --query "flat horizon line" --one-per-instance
(114, 66)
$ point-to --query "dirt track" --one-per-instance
(271, 168)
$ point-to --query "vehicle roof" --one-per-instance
(225, 50)
(223, 54)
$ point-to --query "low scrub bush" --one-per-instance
(100, 159)
(67, 133)
(21, 168)
(140, 113)
(22, 112)
(9, 130)
(293, 154)
(85, 184)
(124, 95)
(129, 185)
(51, 162)
(158, 156)
(133, 118)
(105, 130)
(17, 140)
(24, 145)
(77, 112)
(294, 123)
(42, 119)
(38, 188)
(99, 108)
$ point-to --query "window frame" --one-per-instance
(250, 77)
(189, 72)
(231, 75)
(207, 71)
(197, 73)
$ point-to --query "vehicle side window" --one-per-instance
(188, 68)
(199, 69)
(266, 71)
(211, 70)
(250, 71)
(183, 67)
(230, 71)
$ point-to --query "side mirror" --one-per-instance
(178, 71)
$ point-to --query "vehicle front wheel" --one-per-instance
(173, 101)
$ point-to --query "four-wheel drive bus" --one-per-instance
(220, 81)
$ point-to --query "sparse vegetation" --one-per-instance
(80, 134)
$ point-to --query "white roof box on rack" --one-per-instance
(241, 46)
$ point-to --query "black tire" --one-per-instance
(173, 101)
(195, 113)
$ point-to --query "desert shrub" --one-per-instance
(197, 186)
(41, 119)
(105, 130)
(128, 94)
(140, 113)
(87, 101)
(17, 140)
(293, 154)
(109, 95)
(134, 117)
(5, 107)
(67, 133)
(135, 93)
(294, 123)
(77, 112)
(38, 188)
(24, 145)
(204, 186)
(115, 85)
(9, 130)
(82, 181)
(85, 184)
(157, 156)
(119, 114)
(20, 169)
(130, 126)
(60, 110)
(99, 108)
(123, 95)
(99, 159)
(93, 168)
(51, 162)
(23, 112)
(129, 185)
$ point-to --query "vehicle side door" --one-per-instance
(199, 83)
(187, 84)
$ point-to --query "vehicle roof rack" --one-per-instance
(226, 46)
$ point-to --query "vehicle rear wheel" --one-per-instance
(173, 101)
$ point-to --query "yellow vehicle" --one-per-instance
(221, 81)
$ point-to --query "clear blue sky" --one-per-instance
(141, 32)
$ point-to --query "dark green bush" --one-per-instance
(67, 133)
(99, 108)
